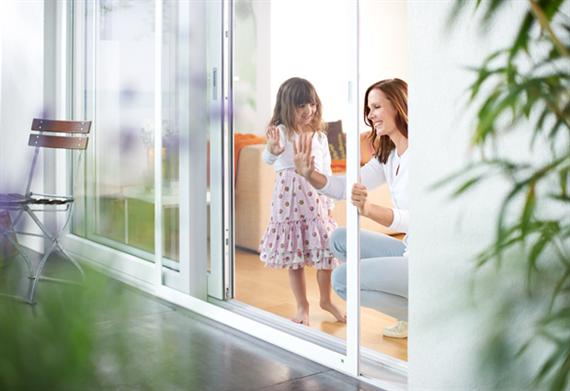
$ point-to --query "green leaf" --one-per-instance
(522, 37)
(528, 209)
(468, 184)
(558, 289)
(548, 365)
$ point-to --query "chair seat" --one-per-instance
(14, 199)
(36, 199)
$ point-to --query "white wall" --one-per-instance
(383, 27)
(309, 39)
(445, 332)
(21, 95)
(21, 87)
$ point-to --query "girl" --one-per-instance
(301, 224)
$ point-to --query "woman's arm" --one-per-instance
(401, 221)
(396, 219)
(379, 214)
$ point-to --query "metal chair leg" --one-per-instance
(21, 254)
(54, 244)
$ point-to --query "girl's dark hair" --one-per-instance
(293, 93)
(396, 91)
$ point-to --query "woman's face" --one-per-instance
(382, 114)
(304, 113)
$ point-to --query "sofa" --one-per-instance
(253, 191)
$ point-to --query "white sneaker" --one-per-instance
(399, 330)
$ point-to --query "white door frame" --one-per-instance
(153, 278)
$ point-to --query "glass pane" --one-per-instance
(175, 84)
(267, 53)
(120, 173)
(383, 26)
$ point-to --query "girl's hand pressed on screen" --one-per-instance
(273, 140)
(304, 162)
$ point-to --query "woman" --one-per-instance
(384, 260)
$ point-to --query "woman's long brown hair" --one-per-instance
(396, 91)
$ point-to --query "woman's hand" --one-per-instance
(304, 162)
(359, 199)
(273, 140)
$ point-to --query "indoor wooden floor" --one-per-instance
(268, 289)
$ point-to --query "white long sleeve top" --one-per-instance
(320, 150)
(374, 174)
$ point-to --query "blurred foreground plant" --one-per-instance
(525, 87)
(75, 338)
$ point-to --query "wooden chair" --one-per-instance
(70, 135)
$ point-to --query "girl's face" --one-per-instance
(382, 114)
(304, 114)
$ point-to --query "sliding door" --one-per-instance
(175, 195)
(140, 73)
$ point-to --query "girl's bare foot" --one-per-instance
(333, 309)
(302, 316)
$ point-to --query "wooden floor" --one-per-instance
(268, 289)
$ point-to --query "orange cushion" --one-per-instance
(366, 153)
(243, 139)
(338, 165)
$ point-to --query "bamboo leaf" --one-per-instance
(548, 365)
(559, 197)
(468, 184)
(453, 176)
(560, 316)
(563, 177)
(559, 288)
(522, 37)
(528, 209)
(550, 7)
(561, 377)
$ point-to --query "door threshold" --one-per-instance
(370, 359)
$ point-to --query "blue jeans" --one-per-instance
(383, 272)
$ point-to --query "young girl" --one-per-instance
(301, 224)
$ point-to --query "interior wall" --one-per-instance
(21, 93)
(384, 37)
(270, 48)
(446, 330)
(21, 87)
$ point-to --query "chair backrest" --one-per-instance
(72, 135)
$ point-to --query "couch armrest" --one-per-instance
(253, 192)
